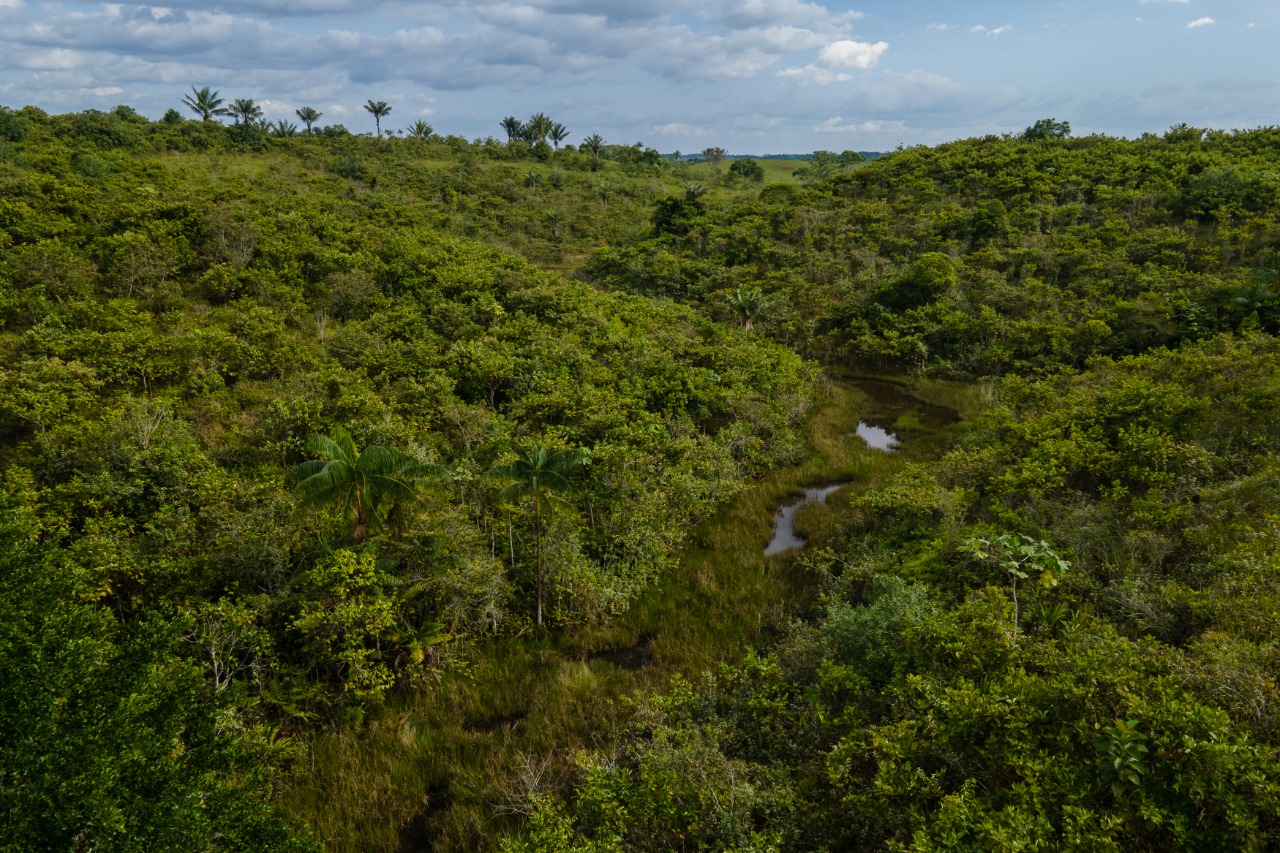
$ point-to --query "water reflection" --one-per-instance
(877, 437)
(784, 532)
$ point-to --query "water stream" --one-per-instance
(877, 437)
(784, 532)
(894, 421)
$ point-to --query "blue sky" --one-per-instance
(751, 76)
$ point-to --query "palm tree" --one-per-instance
(513, 127)
(538, 128)
(308, 116)
(245, 110)
(559, 133)
(749, 303)
(420, 130)
(538, 476)
(594, 143)
(205, 103)
(284, 128)
(366, 486)
(379, 110)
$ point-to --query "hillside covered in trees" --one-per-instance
(294, 429)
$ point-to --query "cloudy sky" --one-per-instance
(752, 76)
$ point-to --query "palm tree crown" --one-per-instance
(538, 128)
(594, 143)
(245, 110)
(379, 110)
(308, 116)
(205, 103)
(366, 486)
(512, 126)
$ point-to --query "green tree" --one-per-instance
(1018, 557)
(379, 110)
(539, 476)
(513, 126)
(1047, 128)
(713, 156)
(538, 128)
(284, 129)
(747, 169)
(367, 487)
(245, 110)
(593, 144)
(205, 103)
(559, 133)
(308, 116)
(749, 303)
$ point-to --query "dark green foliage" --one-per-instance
(13, 127)
(1047, 128)
(110, 736)
(747, 170)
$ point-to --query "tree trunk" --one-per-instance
(537, 532)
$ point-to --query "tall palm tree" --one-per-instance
(245, 110)
(308, 116)
(512, 126)
(538, 476)
(205, 103)
(559, 133)
(379, 110)
(366, 487)
(594, 143)
(420, 130)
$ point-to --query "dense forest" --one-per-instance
(301, 431)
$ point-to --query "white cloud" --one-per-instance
(1201, 22)
(852, 54)
(998, 31)
(940, 28)
(675, 128)
(837, 124)
(58, 58)
(833, 61)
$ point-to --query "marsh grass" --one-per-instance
(452, 766)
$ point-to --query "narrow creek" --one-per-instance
(889, 407)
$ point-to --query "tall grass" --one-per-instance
(450, 767)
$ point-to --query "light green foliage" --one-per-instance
(1019, 557)
(344, 620)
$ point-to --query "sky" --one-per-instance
(749, 76)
